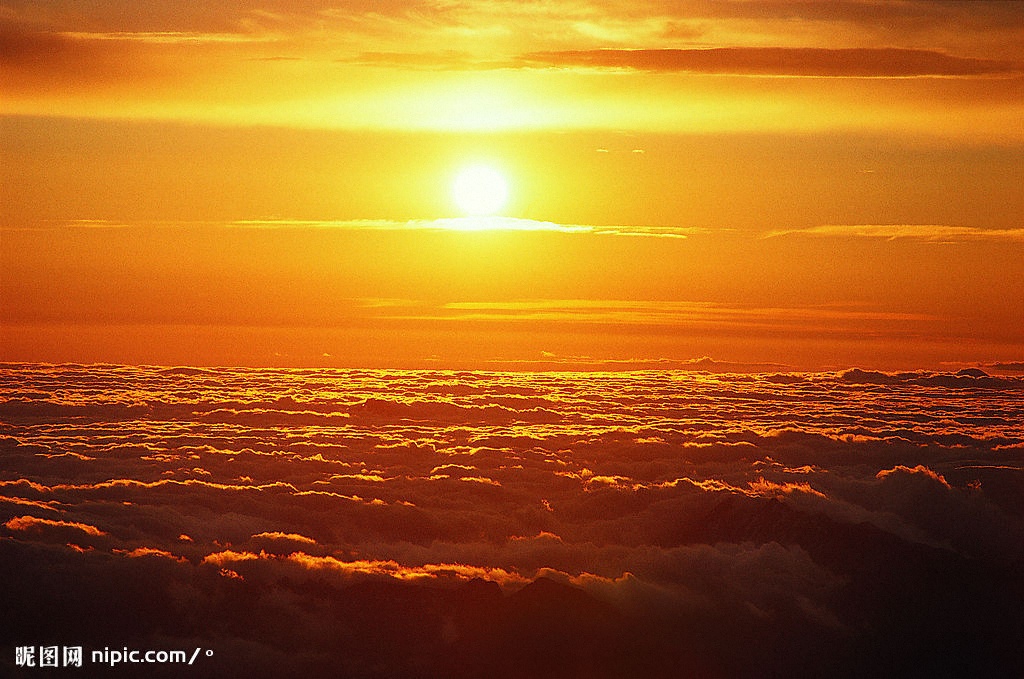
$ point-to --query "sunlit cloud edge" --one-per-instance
(481, 223)
(937, 233)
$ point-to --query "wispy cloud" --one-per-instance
(938, 233)
(785, 61)
(671, 312)
(464, 224)
(165, 37)
(28, 523)
(472, 224)
(552, 361)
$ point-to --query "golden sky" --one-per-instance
(808, 184)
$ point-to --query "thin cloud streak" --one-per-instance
(463, 224)
(939, 233)
(781, 61)
(945, 233)
(650, 311)
(475, 224)
(167, 37)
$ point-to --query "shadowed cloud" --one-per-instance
(783, 61)
(457, 520)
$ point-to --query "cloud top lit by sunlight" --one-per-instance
(483, 513)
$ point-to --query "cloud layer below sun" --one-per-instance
(433, 519)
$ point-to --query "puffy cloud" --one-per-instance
(143, 552)
(291, 537)
(920, 471)
(34, 524)
(661, 510)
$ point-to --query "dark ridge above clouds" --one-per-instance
(1007, 367)
(783, 61)
(963, 379)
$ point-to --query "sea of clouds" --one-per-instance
(466, 524)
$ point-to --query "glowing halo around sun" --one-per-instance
(479, 190)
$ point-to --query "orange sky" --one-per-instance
(763, 182)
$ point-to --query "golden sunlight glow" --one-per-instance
(479, 190)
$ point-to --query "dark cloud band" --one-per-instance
(783, 61)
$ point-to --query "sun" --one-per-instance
(479, 190)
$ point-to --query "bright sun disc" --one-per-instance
(479, 190)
